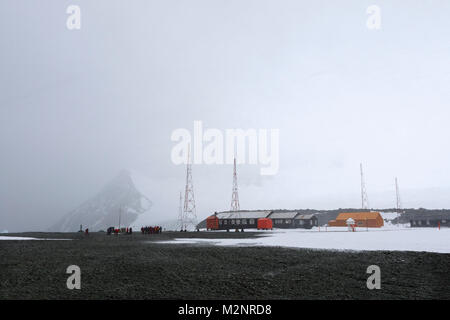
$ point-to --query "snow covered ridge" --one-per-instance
(389, 239)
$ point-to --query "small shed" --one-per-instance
(350, 224)
(212, 222)
(265, 224)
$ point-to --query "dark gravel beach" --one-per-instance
(138, 267)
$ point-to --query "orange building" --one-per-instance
(362, 219)
(265, 224)
(212, 223)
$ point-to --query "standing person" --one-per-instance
(86, 232)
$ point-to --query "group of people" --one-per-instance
(151, 230)
(116, 231)
(144, 230)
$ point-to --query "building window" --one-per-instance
(225, 221)
(301, 222)
(238, 221)
(420, 222)
(252, 221)
(444, 221)
(287, 221)
(221, 221)
(244, 221)
(428, 222)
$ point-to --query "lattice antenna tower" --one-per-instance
(398, 199)
(120, 215)
(235, 195)
(180, 213)
(189, 211)
(364, 198)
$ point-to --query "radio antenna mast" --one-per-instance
(398, 200)
(364, 198)
(180, 213)
(120, 215)
(235, 196)
(189, 213)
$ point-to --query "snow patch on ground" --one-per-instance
(393, 238)
(26, 238)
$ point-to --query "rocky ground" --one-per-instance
(138, 267)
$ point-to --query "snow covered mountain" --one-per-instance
(125, 198)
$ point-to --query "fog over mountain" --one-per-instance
(119, 202)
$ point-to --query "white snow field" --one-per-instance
(16, 238)
(26, 238)
(389, 238)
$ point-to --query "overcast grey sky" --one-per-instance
(77, 106)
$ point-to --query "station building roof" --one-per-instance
(304, 216)
(243, 214)
(283, 215)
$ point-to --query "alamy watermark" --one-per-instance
(74, 280)
(73, 21)
(374, 280)
(374, 19)
(214, 146)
